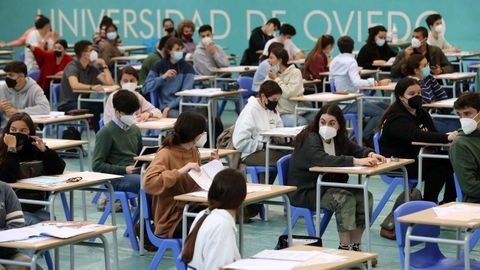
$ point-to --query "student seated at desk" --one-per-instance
(152, 59)
(376, 51)
(435, 57)
(258, 38)
(287, 32)
(50, 62)
(212, 241)
(345, 74)
(83, 74)
(207, 54)
(324, 142)
(185, 32)
(108, 45)
(167, 176)
(24, 155)
(169, 76)
(436, 37)
(11, 217)
(404, 122)
(290, 80)
(119, 142)
(20, 93)
(417, 67)
(259, 114)
(262, 70)
(42, 37)
(319, 58)
(464, 152)
(129, 81)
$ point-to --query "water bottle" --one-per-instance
(394, 33)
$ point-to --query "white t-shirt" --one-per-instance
(440, 41)
(288, 44)
(34, 39)
(329, 147)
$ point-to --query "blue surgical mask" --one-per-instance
(276, 68)
(177, 56)
(426, 71)
(380, 42)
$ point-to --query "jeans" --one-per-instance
(128, 183)
(288, 119)
(95, 108)
(444, 125)
(372, 110)
(32, 218)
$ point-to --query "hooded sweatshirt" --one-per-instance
(291, 82)
(30, 99)
(252, 120)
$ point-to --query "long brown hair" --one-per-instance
(187, 127)
(322, 42)
(412, 63)
(16, 117)
(228, 191)
(272, 46)
(341, 138)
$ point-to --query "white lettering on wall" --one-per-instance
(62, 19)
(249, 20)
(370, 15)
(143, 18)
(197, 20)
(129, 23)
(309, 16)
(228, 23)
(406, 19)
(344, 31)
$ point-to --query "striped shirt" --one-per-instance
(432, 90)
(11, 215)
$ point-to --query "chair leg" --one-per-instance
(310, 224)
(48, 260)
(327, 216)
(96, 197)
(293, 221)
(66, 209)
(128, 222)
(157, 258)
(383, 201)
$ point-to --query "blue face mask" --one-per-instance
(380, 42)
(276, 68)
(177, 56)
(426, 71)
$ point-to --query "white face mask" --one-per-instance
(128, 120)
(93, 56)
(327, 132)
(130, 86)
(469, 125)
(207, 41)
(202, 140)
(416, 43)
(112, 35)
(439, 28)
(380, 42)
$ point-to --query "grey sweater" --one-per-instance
(30, 99)
(11, 215)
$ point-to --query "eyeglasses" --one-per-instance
(74, 179)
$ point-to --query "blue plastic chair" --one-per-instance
(161, 243)
(297, 212)
(244, 82)
(471, 88)
(154, 99)
(151, 44)
(55, 94)
(254, 171)
(34, 74)
(350, 117)
(393, 182)
(21, 56)
(430, 256)
(476, 234)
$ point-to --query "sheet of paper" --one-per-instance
(391, 60)
(202, 91)
(154, 125)
(45, 180)
(460, 212)
(324, 258)
(284, 131)
(259, 264)
(255, 188)
(286, 255)
(61, 232)
(200, 194)
(90, 176)
(18, 234)
(206, 174)
(52, 114)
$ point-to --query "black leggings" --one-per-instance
(436, 174)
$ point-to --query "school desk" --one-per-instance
(456, 77)
(90, 181)
(389, 88)
(124, 62)
(299, 61)
(40, 246)
(462, 56)
(361, 171)
(314, 83)
(4, 62)
(187, 98)
(232, 70)
(460, 221)
(253, 197)
(61, 144)
(425, 153)
(362, 72)
(132, 48)
(7, 52)
(2, 73)
(330, 98)
(162, 125)
(204, 156)
(107, 89)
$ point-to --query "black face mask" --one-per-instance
(271, 105)
(11, 83)
(169, 30)
(415, 102)
(57, 53)
(22, 139)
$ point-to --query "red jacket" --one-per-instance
(318, 64)
(47, 63)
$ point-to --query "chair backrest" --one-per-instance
(282, 168)
(154, 99)
(332, 86)
(146, 202)
(21, 56)
(101, 124)
(55, 93)
(376, 143)
(419, 230)
(34, 74)
(151, 44)
(472, 64)
(458, 190)
(246, 82)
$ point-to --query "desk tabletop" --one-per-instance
(363, 170)
(5, 61)
(137, 57)
(157, 124)
(129, 48)
(210, 92)
(384, 65)
(275, 190)
(50, 242)
(6, 52)
(60, 144)
(285, 132)
(204, 154)
(462, 54)
(432, 144)
(388, 87)
(235, 69)
(300, 61)
(363, 72)
(327, 97)
(2, 72)
(61, 119)
(310, 82)
(399, 43)
(54, 77)
(476, 66)
(204, 77)
(446, 103)
(88, 179)
(430, 217)
(107, 89)
(456, 76)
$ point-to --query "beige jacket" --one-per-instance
(291, 82)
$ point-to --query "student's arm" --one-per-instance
(243, 137)
(52, 163)
(296, 52)
(101, 152)
(256, 41)
(404, 129)
(13, 209)
(438, 92)
(364, 59)
(220, 58)
(444, 63)
(220, 248)
(105, 77)
(154, 79)
(39, 55)
(465, 168)
(146, 106)
(292, 88)
(10, 168)
(139, 142)
(312, 147)
(359, 151)
(20, 41)
(41, 105)
(158, 177)
(354, 75)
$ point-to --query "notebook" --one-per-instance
(207, 172)
(146, 150)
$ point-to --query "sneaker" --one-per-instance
(102, 203)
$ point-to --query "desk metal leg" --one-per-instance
(33, 265)
(360, 120)
(141, 250)
(457, 236)
(286, 201)
(184, 223)
(210, 124)
(240, 230)
(466, 249)
(72, 215)
(89, 152)
(106, 252)
(114, 223)
(56, 264)
(318, 199)
(407, 246)
(366, 210)
(420, 169)
(267, 161)
(405, 183)
(51, 206)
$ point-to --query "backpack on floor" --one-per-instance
(387, 228)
